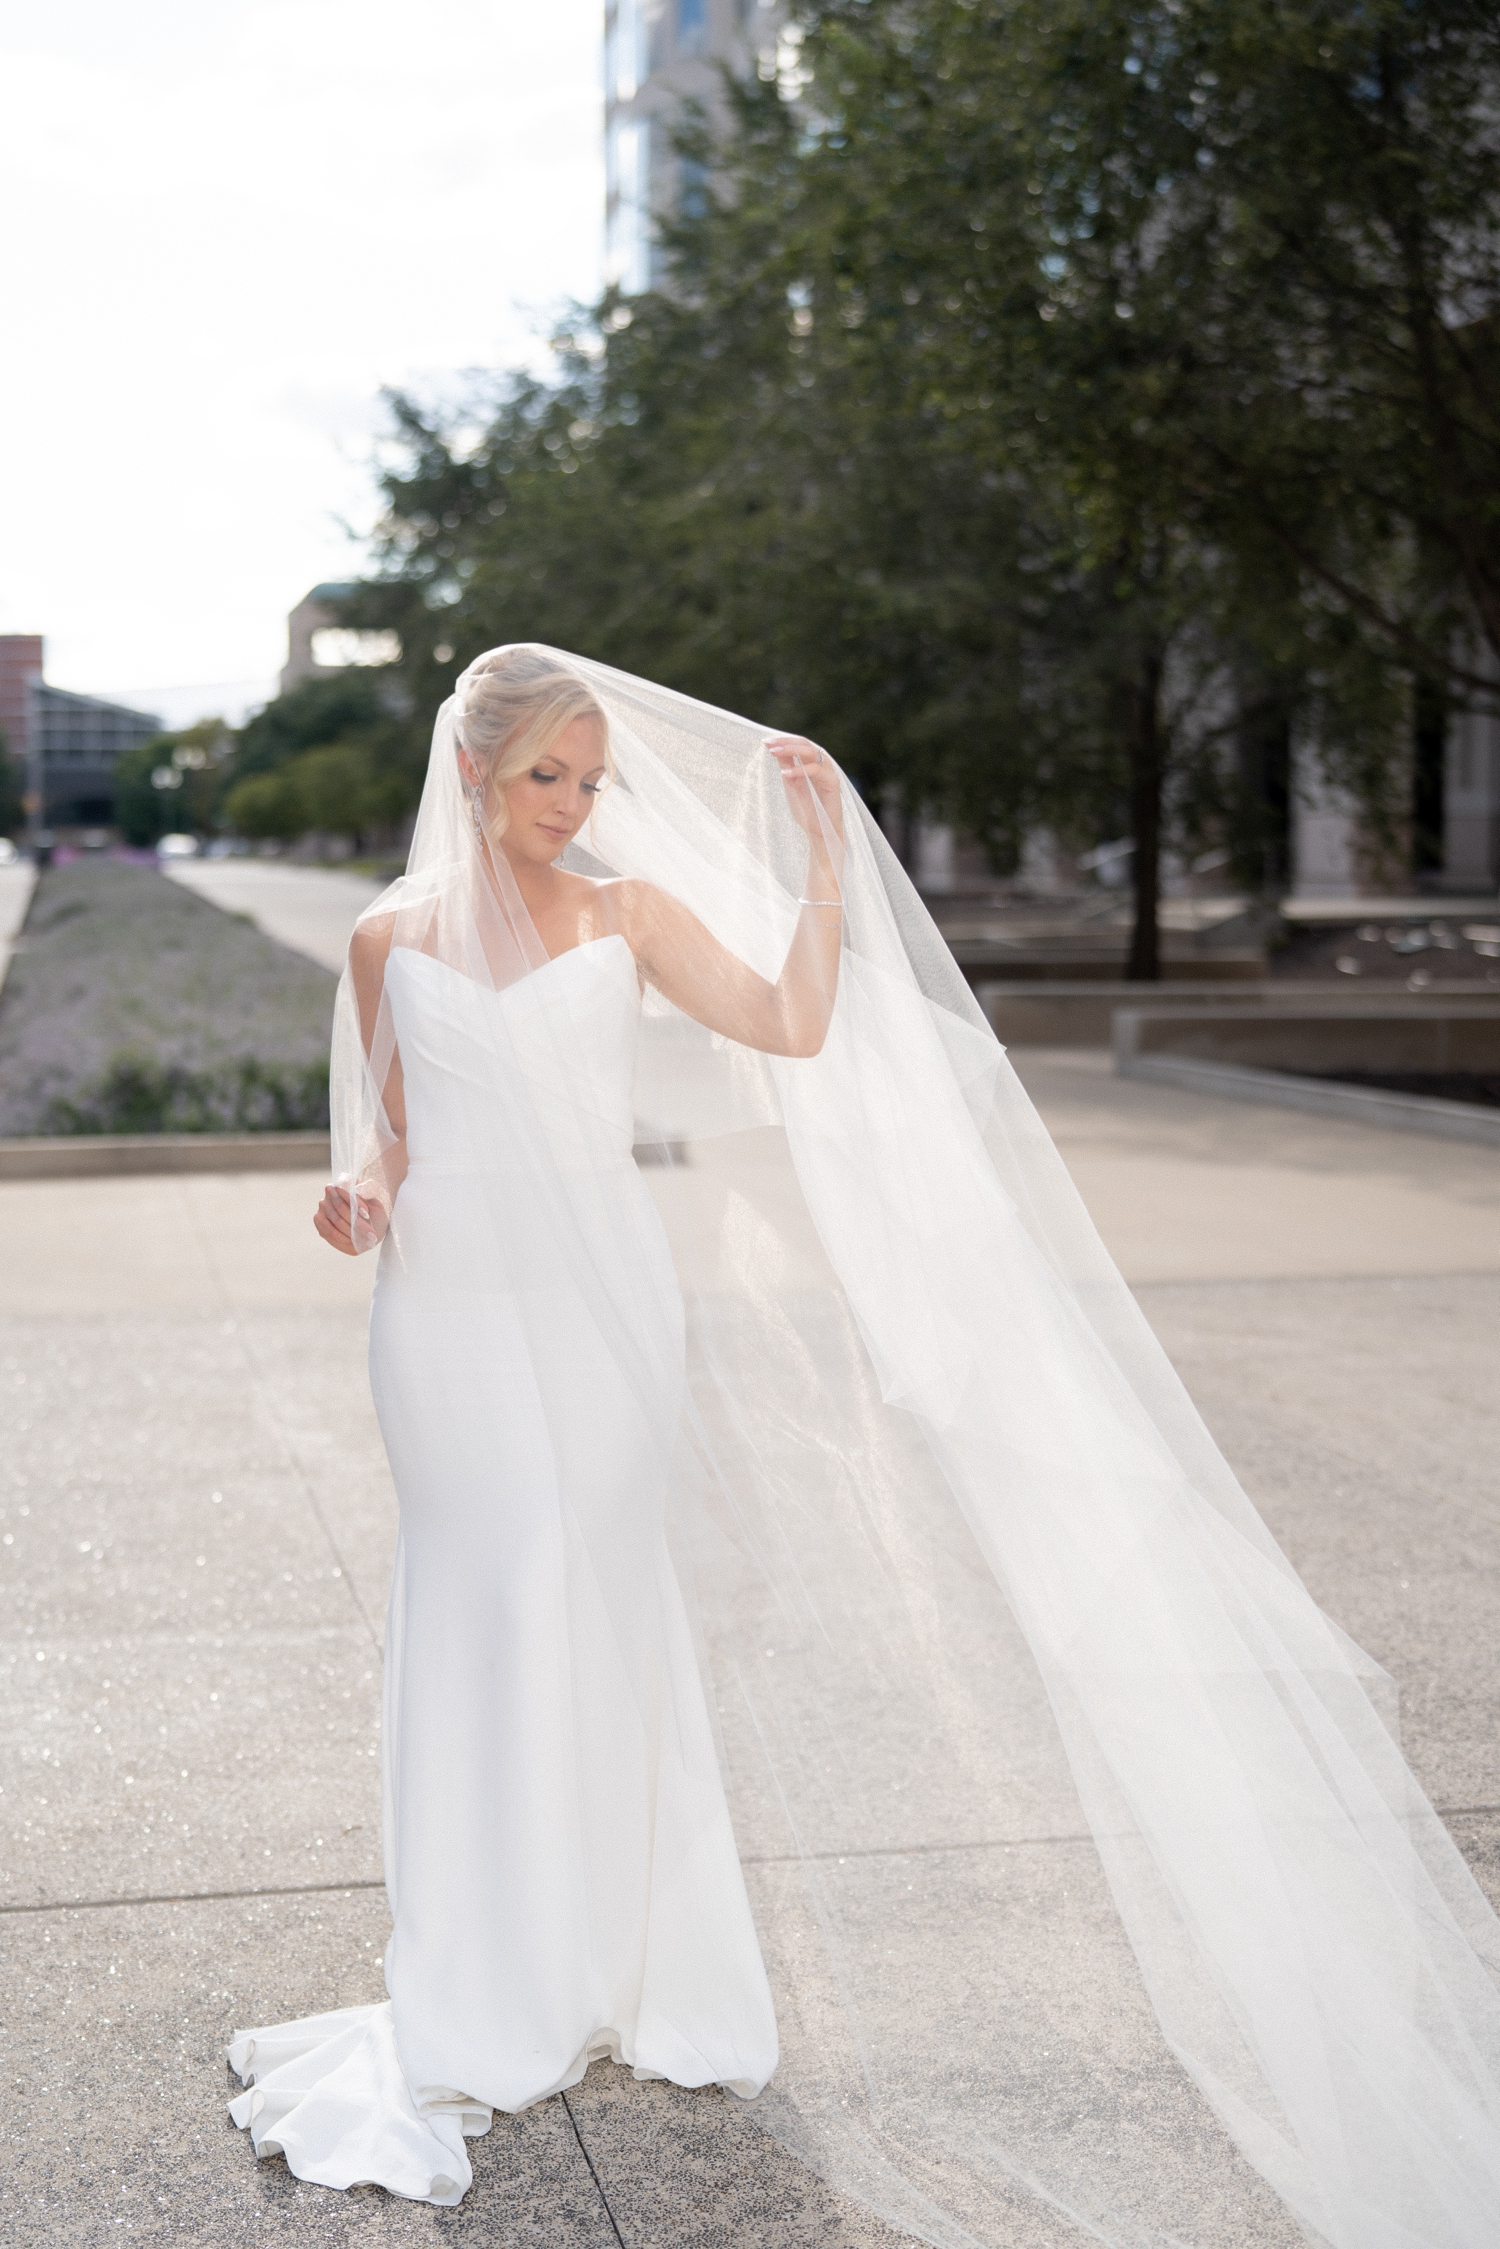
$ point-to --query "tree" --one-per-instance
(992, 188)
(997, 424)
(12, 792)
(344, 749)
(705, 495)
(268, 807)
(857, 471)
(336, 790)
(173, 782)
(1344, 400)
(319, 711)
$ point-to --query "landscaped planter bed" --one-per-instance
(133, 1007)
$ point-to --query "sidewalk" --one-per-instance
(17, 882)
(202, 1522)
(311, 909)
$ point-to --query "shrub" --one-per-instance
(139, 1094)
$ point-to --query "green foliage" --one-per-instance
(338, 790)
(138, 1093)
(12, 792)
(319, 711)
(267, 807)
(1065, 405)
(143, 813)
(333, 756)
(196, 759)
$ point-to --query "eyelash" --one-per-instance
(589, 788)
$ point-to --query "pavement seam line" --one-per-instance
(196, 1897)
(593, 2174)
(786, 1858)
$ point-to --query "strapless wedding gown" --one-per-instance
(559, 1857)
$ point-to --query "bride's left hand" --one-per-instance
(812, 785)
(335, 1221)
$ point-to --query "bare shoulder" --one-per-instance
(657, 927)
(640, 904)
(370, 945)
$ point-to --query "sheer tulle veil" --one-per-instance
(978, 1600)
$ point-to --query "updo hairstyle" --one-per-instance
(513, 703)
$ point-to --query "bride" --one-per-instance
(798, 1523)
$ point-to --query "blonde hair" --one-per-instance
(513, 703)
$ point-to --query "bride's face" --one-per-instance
(547, 805)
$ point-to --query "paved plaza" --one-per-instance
(198, 1525)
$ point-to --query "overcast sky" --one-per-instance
(224, 224)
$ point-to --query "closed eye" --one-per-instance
(587, 788)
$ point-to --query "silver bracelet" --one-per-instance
(820, 901)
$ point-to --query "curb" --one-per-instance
(1401, 1112)
(141, 1155)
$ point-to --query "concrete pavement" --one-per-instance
(17, 882)
(198, 1525)
(311, 909)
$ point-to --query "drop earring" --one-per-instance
(478, 823)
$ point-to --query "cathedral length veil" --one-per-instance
(969, 1576)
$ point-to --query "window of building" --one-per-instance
(692, 187)
(692, 26)
(335, 647)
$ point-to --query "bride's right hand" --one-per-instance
(332, 1219)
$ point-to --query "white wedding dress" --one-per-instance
(561, 1867)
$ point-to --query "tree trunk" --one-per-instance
(1143, 720)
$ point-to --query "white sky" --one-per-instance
(224, 224)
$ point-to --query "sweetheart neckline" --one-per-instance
(610, 937)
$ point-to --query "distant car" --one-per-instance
(227, 847)
(8, 852)
(94, 839)
(177, 847)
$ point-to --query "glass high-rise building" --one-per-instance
(657, 55)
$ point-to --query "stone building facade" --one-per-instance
(319, 647)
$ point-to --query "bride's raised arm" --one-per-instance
(689, 966)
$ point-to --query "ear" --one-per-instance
(472, 776)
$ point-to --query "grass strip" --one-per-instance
(134, 1006)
